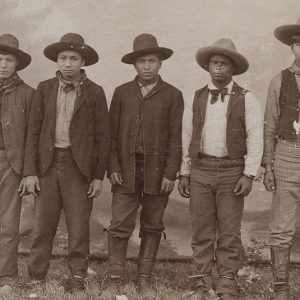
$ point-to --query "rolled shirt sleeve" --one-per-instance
(187, 130)
(271, 119)
(254, 130)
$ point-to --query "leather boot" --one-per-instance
(147, 256)
(117, 250)
(200, 287)
(280, 258)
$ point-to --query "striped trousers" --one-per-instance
(287, 195)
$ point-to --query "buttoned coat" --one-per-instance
(160, 114)
(16, 104)
(89, 130)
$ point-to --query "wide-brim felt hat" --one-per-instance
(10, 44)
(74, 42)
(144, 44)
(287, 33)
(223, 47)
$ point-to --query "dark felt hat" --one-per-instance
(10, 44)
(224, 47)
(288, 34)
(144, 44)
(74, 42)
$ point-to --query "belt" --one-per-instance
(68, 149)
(211, 157)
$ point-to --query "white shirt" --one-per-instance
(213, 141)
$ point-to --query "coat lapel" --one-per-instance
(82, 98)
(51, 102)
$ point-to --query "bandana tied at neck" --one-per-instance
(69, 85)
(10, 83)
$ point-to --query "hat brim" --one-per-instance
(163, 53)
(88, 53)
(24, 59)
(285, 33)
(204, 54)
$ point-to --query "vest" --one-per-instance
(289, 105)
(236, 125)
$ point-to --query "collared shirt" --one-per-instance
(64, 113)
(272, 114)
(145, 89)
(214, 131)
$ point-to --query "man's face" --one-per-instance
(221, 68)
(8, 64)
(296, 51)
(147, 67)
(69, 63)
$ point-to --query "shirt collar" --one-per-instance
(295, 68)
(211, 86)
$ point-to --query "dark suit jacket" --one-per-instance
(15, 114)
(161, 115)
(89, 130)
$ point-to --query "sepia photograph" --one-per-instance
(149, 149)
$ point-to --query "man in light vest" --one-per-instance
(222, 149)
(281, 136)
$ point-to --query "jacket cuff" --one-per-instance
(171, 172)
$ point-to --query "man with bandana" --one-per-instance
(67, 148)
(222, 149)
(281, 159)
(16, 97)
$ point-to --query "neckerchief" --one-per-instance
(69, 85)
(10, 83)
(295, 68)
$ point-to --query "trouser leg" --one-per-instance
(47, 213)
(77, 209)
(203, 221)
(10, 209)
(229, 217)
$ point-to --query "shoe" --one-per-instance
(75, 283)
(228, 296)
(34, 282)
(112, 289)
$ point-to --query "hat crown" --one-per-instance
(225, 44)
(9, 40)
(72, 38)
(144, 41)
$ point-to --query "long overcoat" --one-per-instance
(160, 114)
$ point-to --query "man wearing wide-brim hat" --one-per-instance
(16, 97)
(281, 136)
(67, 148)
(222, 150)
(145, 117)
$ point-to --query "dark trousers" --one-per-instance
(62, 187)
(216, 215)
(10, 209)
(125, 207)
